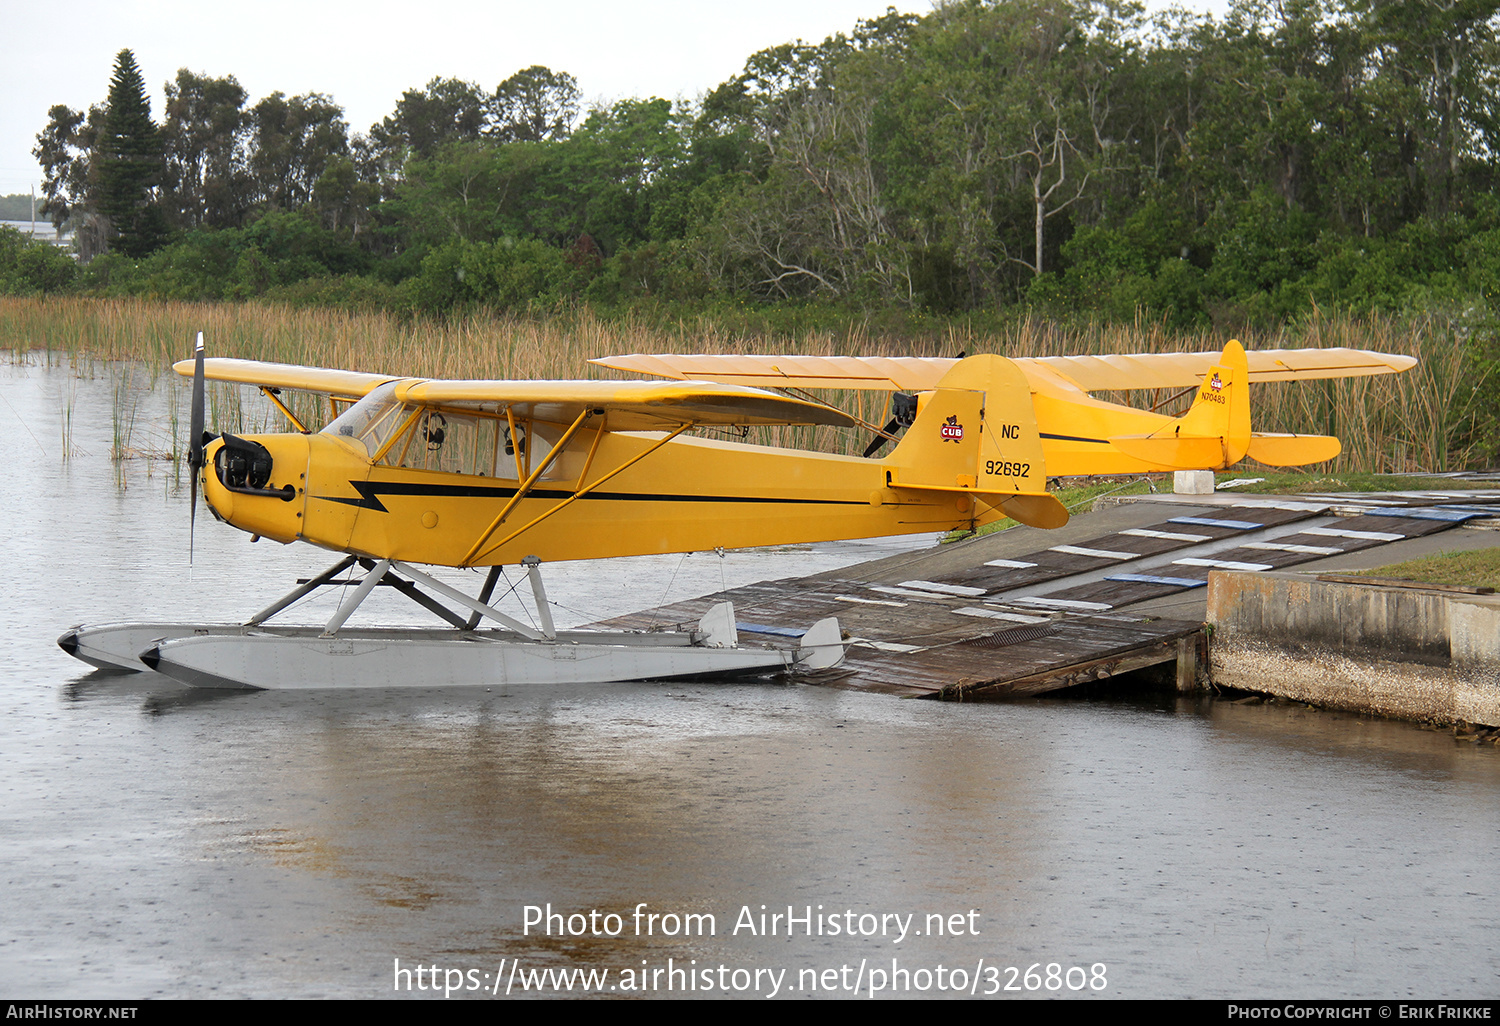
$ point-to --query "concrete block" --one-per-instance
(1391, 651)
(1475, 630)
(1193, 482)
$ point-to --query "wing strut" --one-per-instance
(526, 486)
(580, 493)
(273, 394)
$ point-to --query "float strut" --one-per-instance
(484, 596)
(479, 607)
(414, 593)
(533, 566)
(299, 591)
(350, 604)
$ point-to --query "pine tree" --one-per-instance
(129, 155)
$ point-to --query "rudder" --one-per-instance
(976, 433)
(1215, 431)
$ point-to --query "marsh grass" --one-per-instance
(132, 383)
(1423, 420)
(68, 448)
(1279, 483)
(1477, 569)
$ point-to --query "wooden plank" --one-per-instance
(1407, 527)
(957, 655)
(1170, 582)
(1147, 651)
(1057, 562)
(1120, 594)
(915, 640)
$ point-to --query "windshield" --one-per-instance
(370, 420)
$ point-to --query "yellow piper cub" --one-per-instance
(480, 473)
(489, 473)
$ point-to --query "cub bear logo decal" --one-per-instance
(953, 431)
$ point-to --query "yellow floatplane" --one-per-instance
(490, 473)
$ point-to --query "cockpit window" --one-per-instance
(452, 440)
(371, 420)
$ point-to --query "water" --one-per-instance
(161, 842)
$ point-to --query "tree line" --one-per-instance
(1069, 155)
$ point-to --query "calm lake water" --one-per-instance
(160, 842)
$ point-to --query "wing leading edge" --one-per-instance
(318, 380)
(629, 405)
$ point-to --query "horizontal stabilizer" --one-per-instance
(1293, 450)
(1044, 511)
(1214, 433)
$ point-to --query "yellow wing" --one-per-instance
(319, 380)
(629, 405)
(1088, 373)
(881, 373)
(1183, 370)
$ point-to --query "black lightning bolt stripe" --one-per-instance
(371, 491)
(1075, 438)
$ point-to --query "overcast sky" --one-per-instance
(365, 54)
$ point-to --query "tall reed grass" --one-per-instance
(1423, 420)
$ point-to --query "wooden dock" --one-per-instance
(936, 646)
(1059, 614)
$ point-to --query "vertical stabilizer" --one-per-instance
(976, 433)
(1215, 431)
(1222, 407)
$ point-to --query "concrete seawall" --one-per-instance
(1395, 651)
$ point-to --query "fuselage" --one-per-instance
(690, 494)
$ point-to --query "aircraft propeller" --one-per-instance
(195, 441)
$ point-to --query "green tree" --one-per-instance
(619, 166)
(292, 142)
(28, 267)
(1445, 55)
(206, 182)
(812, 219)
(1005, 118)
(473, 191)
(342, 198)
(533, 105)
(65, 150)
(129, 156)
(424, 120)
